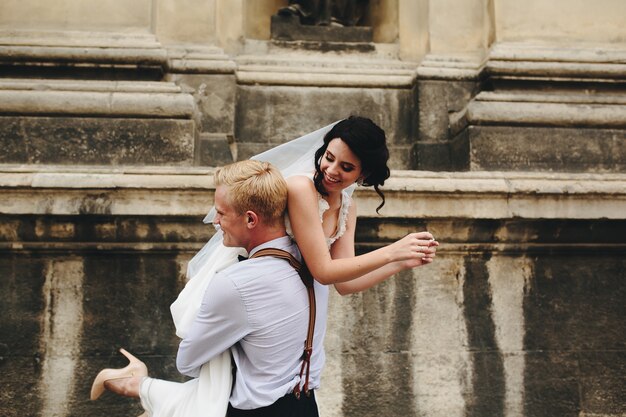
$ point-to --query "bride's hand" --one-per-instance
(415, 249)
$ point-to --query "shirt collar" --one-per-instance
(278, 243)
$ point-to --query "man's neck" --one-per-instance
(264, 236)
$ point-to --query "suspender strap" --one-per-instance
(307, 279)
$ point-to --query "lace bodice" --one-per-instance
(322, 206)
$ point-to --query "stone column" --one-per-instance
(413, 35)
(230, 27)
(561, 20)
(460, 26)
(185, 21)
(459, 35)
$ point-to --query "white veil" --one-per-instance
(291, 158)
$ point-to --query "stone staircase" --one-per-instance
(108, 99)
(526, 107)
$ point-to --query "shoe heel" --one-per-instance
(97, 388)
(135, 367)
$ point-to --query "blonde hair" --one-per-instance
(256, 186)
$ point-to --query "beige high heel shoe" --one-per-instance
(134, 368)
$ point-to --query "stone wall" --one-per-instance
(521, 314)
(506, 126)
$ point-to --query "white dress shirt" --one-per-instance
(258, 308)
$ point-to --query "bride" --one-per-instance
(322, 170)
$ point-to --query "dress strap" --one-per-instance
(307, 279)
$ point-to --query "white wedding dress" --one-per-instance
(208, 395)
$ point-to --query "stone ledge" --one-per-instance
(78, 38)
(337, 78)
(152, 247)
(542, 97)
(600, 53)
(193, 247)
(34, 84)
(289, 28)
(95, 98)
(105, 177)
(305, 70)
(601, 111)
(410, 194)
(81, 47)
(456, 67)
(199, 60)
(568, 71)
(552, 59)
(531, 60)
(57, 54)
(117, 49)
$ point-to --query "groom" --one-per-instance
(259, 308)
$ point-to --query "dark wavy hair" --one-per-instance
(368, 142)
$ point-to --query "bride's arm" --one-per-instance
(308, 232)
(344, 248)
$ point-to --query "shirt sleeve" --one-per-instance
(221, 322)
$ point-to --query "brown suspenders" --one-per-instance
(307, 279)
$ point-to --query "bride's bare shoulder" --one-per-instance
(300, 183)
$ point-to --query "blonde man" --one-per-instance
(249, 192)
(258, 308)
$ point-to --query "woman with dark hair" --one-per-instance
(368, 143)
(354, 150)
(322, 169)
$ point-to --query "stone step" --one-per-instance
(527, 106)
(544, 59)
(59, 103)
(572, 110)
(109, 99)
(302, 69)
(99, 122)
(542, 131)
(91, 98)
(81, 47)
(88, 85)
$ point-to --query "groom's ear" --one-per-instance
(252, 219)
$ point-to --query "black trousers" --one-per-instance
(287, 406)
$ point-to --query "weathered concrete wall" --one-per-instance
(524, 333)
(484, 334)
(520, 315)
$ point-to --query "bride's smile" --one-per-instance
(340, 166)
